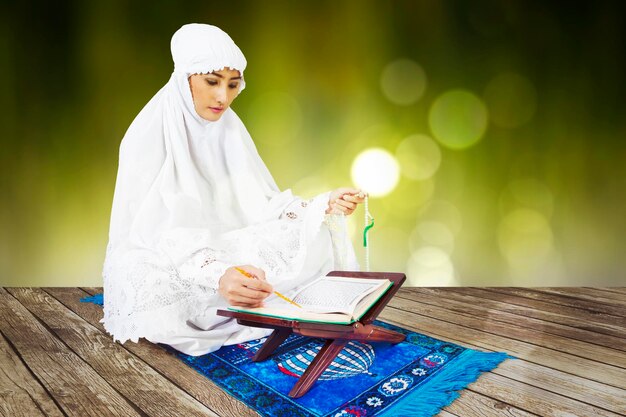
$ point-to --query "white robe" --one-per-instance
(192, 198)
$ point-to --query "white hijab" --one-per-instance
(179, 170)
(189, 190)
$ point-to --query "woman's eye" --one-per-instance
(233, 85)
(212, 82)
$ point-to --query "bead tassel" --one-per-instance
(369, 223)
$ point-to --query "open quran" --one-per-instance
(328, 299)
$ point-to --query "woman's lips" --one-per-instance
(216, 109)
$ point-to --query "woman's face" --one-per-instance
(212, 93)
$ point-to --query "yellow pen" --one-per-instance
(249, 275)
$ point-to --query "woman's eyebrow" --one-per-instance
(221, 76)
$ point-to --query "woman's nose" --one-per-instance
(220, 95)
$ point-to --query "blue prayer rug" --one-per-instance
(416, 377)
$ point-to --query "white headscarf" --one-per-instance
(192, 193)
(180, 170)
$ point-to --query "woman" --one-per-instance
(193, 201)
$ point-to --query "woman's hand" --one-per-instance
(344, 200)
(239, 290)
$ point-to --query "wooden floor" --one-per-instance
(570, 343)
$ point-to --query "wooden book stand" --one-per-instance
(336, 335)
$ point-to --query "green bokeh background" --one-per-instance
(537, 203)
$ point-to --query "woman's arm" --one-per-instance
(342, 200)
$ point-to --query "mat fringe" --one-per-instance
(442, 389)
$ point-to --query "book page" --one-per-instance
(334, 295)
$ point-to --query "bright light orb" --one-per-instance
(419, 157)
(403, 82)
(458, 119)
(376, 171)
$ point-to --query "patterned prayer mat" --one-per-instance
(416, 377)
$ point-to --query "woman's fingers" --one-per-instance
(354, 198)
(259, 286)
(339, 209)
(347, 201)
(239, 289)
(244, 302)
(242, 295)
(248, 292)
(345, 195)
(346, 204)
(257, 272)
(253, 289)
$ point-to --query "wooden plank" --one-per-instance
(573, 386)
(76, 387)
(615, 290)
(575, 365)
(444, 413)
(577, 387)
(20, 392)
(515, 393)
(573, 297)
(537, 375)
(612, 293)
(487, 309)
(581, 309)
(601, 354)
(508, 303)
(130, 376)
(535, 400)
(197, 385)
(591, 294)
(471, 403)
